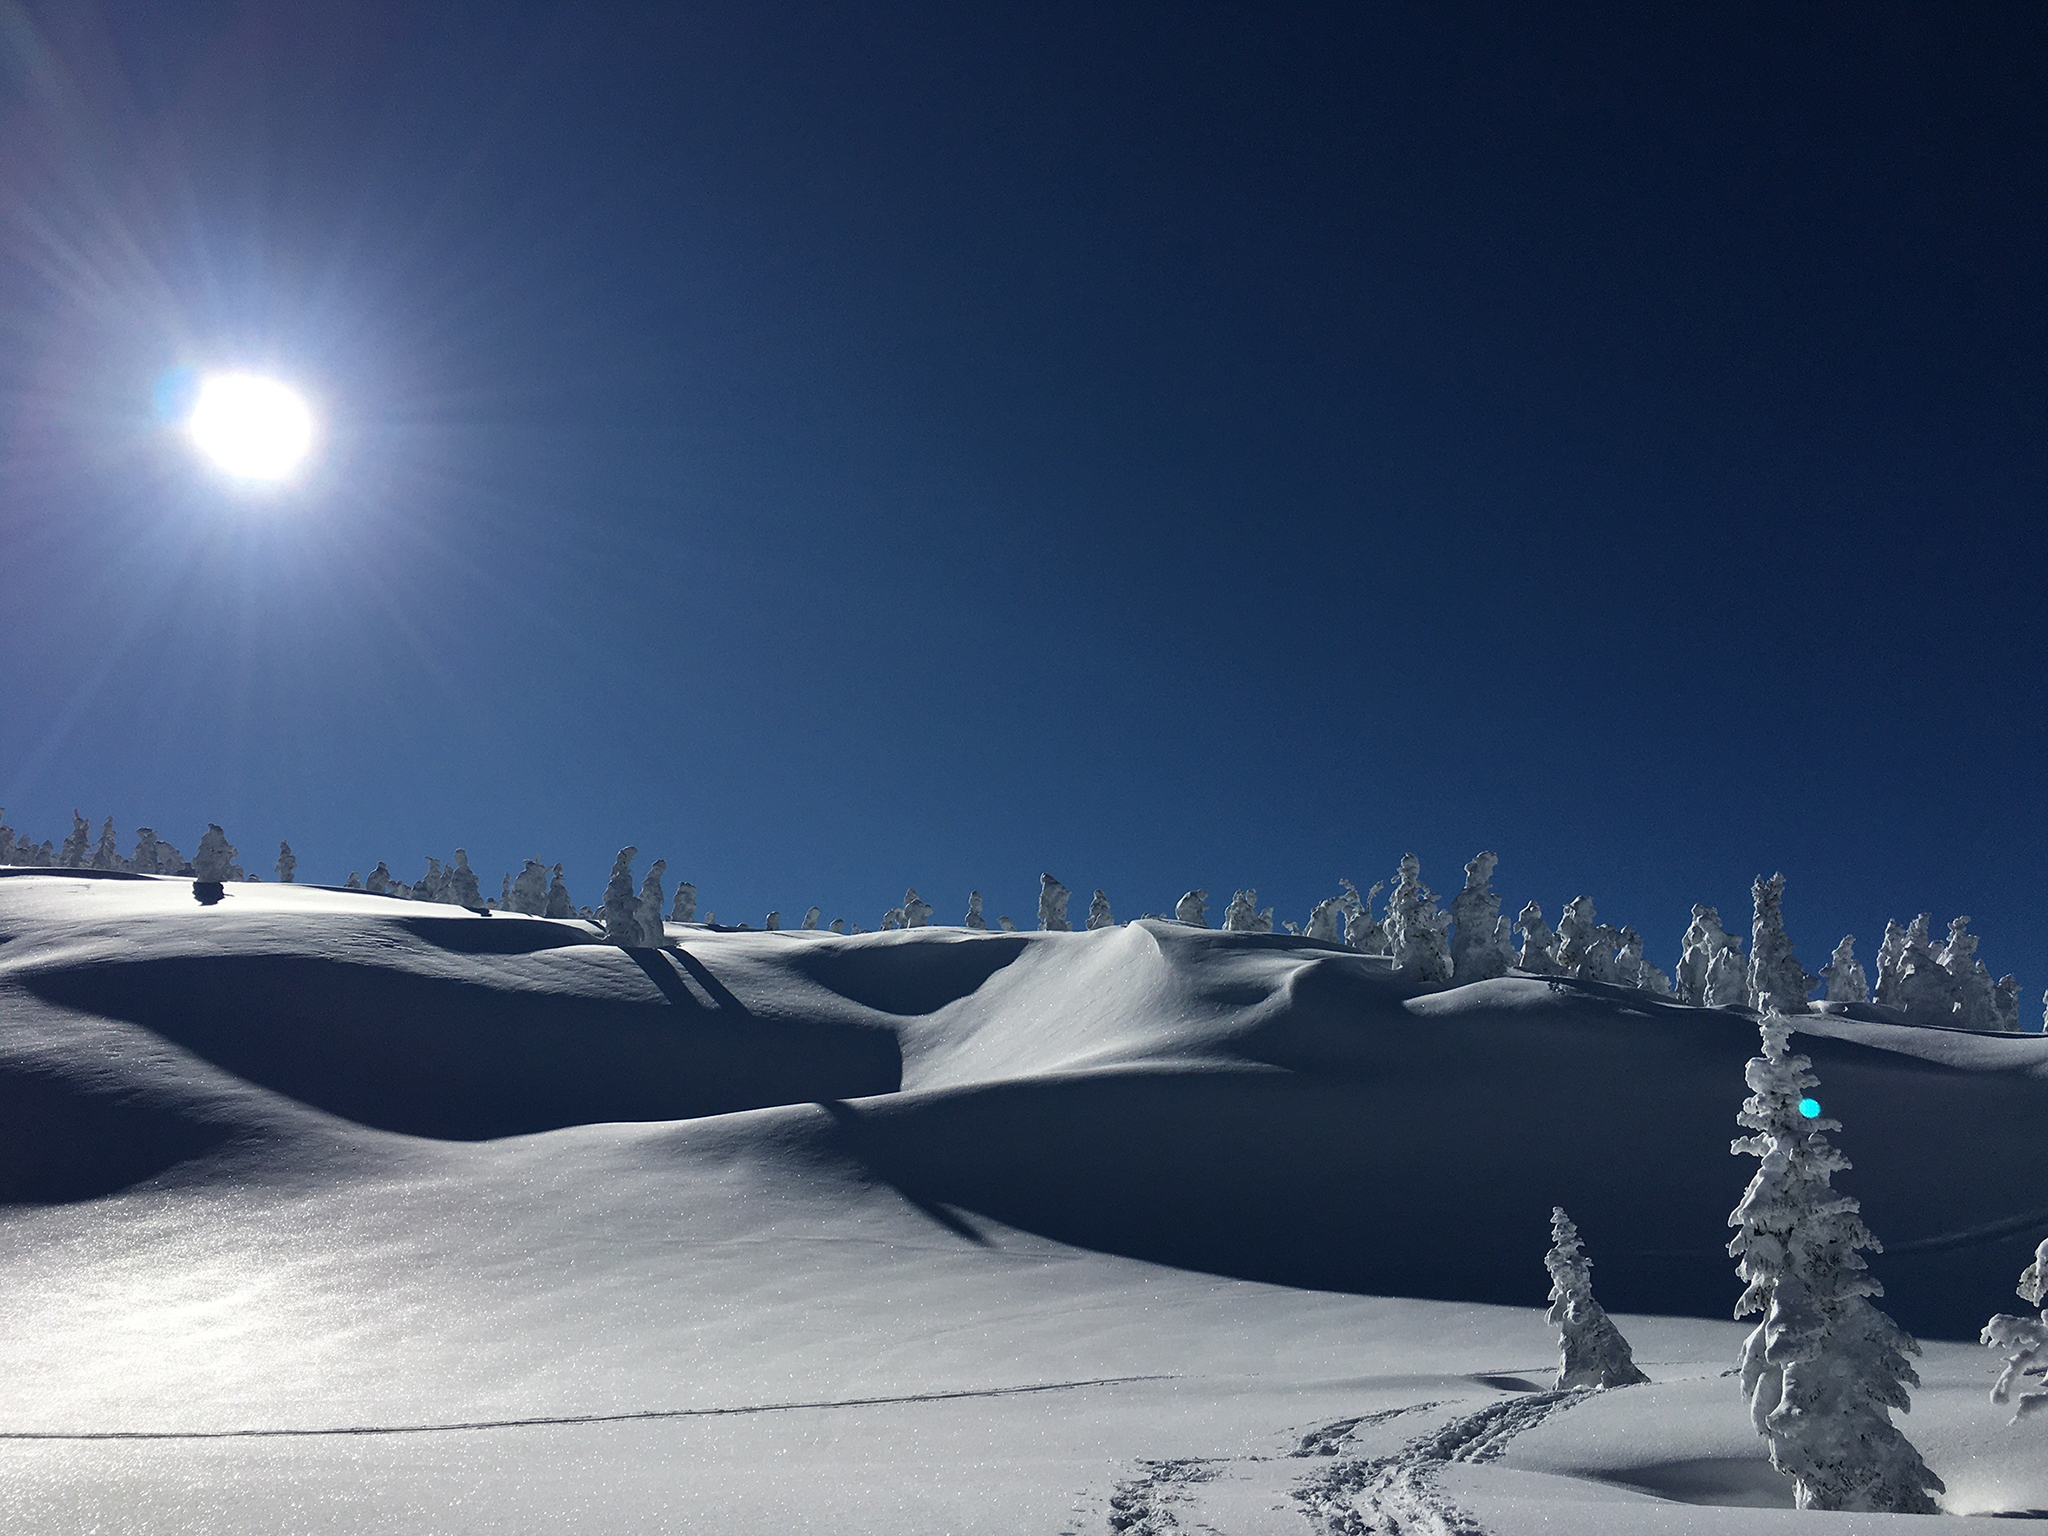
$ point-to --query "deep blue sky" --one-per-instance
(839, 448)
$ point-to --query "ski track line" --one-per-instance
(571, 1419)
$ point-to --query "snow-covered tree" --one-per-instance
(530, 890)
(354, 881)
(651, 931)
(1326, 921)
(77, 850)
(1705, 939)
(1193, 909)
(1628, 958)
(379, 883)
(1976, 993)
(1825, 1367)
(215, 860)
(463, 890)
(2027, 1340)
(145, 860)
(1480, 949)
(1539, 943)
(917, 913)
(1592, 1352)
(1728, 978)
(504, 901)
(1099, 915)
(559, 904)
(810, 922)
(838, 925)
(1052, 906)
(1242, 915)
(892, 920)
(621, 905)
(1844, 976)
(7, 840)
(1585, 947)
(1006, 925)
(772, 922)
(1891, 959)
(1923, 988)
(974, 919)
(2005, 1003)
(287, 863)
(1776, 978)
(105, 855)
(1416, 928)
(685, 908)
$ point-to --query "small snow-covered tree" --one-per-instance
(1891, 960)
(1592, 1352)
(974, 919)
(1705, 939)
(504, 901)
(810, 922)
(2026, 1338)
(1628, 958)
(1539, 943)
(1924, 990)
(1585, 947)
(1006, 925)
(917, 912)
(1052, 906)
(1416, 928)
(1193, 909)
(892, 920)
(1776, 978)
(7, 840)
(1099, 915)
(559, 904)
(2005, 1001)
(1976, 993)
(651, 931)
(105, 855)
(837, 925)
(463, 890)
(379, 883)
(1728, 978)
(685, 908)
(1844, 976)
(77, 850)
(530, 890)
(215, 860)
(145, 860)
(1242, 915)
(772, 922)
(1479, 940)
(1326, 921)
(1825, 1367)
(1362, 931)
(621, 906)
(287, 863)
(354, 881)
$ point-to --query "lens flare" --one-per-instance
(253, 427)
(1810, 1108)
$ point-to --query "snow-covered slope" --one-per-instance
(300, 1159)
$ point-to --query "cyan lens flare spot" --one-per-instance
(1810, 1108)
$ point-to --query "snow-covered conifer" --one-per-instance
(2027, 1340)
(1193, 909)
(1362, 931)
(838, 925)
(1976, 993)
(1825, 1367)
(1262, 920)
(1776, 978)
(463, 890)
(1479, 940)
(810, 921)
(105, 855)
(917, 912)
(1099, 915)
(287, 863)
(651, 931)
(1326, 921)
(77, 850)
(215, 858)
(621, 905)
(2005, 1002)
(530, 890)
(379, 883)
(355, 881)
(1416, 928)
(7, 840)
(145, 859)
(685, 908)
(1654, 980)
(1052, 906)
(892, 920)
(432, 886)
(1891, 959)
(1728, 978)
(1585, 948)
(1539, 943)
(1844, 976)
(1242, 915)
(1592, 1352)
(1628, 958)
(772, 922)
(1924, 990)
(974, 919)
(1705, 939)
(1006, 925)
(504, 901)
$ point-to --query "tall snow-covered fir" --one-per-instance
(1592, 1352)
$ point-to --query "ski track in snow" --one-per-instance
(570, 1419)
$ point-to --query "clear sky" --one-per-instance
(846, 448)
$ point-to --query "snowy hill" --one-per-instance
(302, 1160)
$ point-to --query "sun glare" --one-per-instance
(253, 427)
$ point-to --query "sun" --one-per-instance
(253, 427)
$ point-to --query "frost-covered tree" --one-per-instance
(379, 883)
(1976, 993)
(1326, 921)
(1776, 978)
(685, 908)
(651, 931)
(810, 922)
(1891, 960)
(1628, 958)
(1924, 990)
(838, 925)
(2026, 1339)
(772, 922)
(1825, 1367)
(892, 920)
(1242, 915)
(1362, 931)
(1539, 943)
(77, 850)
(1099, 915)
(1592, 1352)
(974, 919)
(463, 889)
(2005, 1002)
(433, 885)
(354, 881)
(287, 863)
(1006, 925)
(7, 840)
(1728, 978)
(1052, 906)
(504, 901)
(1585, 947)
(1193, 909)
(215, 860)
(621, 905)
(1417, 928)
(917, 913)
(1479, 939)
(1844, 976)
(530, 890)
(1705, 939)
(559, 905)
(104, 854)
(145, 859)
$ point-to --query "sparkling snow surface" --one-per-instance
(329, 1212)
